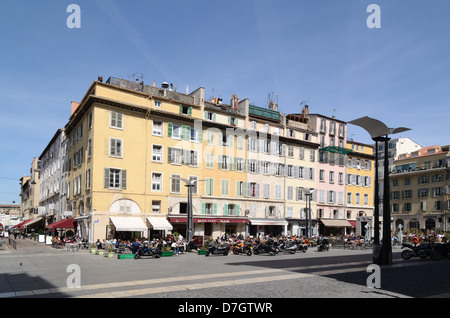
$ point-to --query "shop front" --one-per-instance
(336, 227)
(211, 227)
(264, 227)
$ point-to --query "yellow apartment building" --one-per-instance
(359, 186)
(419, 189)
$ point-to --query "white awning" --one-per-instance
(31, 223)
(160, 223)
(268, 221)
(335, 223)
(129, 224)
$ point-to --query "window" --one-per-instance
(366, 199)
(208, 208)
(157, 153)
(88, 178)
(349, 198)
(278, 194)
(331, 176)
(176, 131)
(156, 181)
(210, 161)
(266, 191)
(175, 184)
(225, 187)
(195, 185)
(322, 175)
(157, 128)
(290, 192)
(115, 147)
(89, 147)
(156, 207)
(240, 164)
(157, 103)
(90, 120)
(186, 110)
(115, 178)
(116, 120)
(209, 186)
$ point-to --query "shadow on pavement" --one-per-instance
(413, 278)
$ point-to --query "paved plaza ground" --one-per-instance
(36, 270)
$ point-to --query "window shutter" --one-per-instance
(244, 189)
(200, 135)
(190, 111)
(169, 129)
(124, 179)
(181, 109)
(214, 208)
(106, 185)
(238, 208)
(203, 207)
(225, 209)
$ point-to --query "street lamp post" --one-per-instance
(308, 193)
(379, 132)
(189, 184)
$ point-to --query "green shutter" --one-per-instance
(238, 208)
(190, 111)
(215, 208)
(200, 135)
(106, 178)
(169, 129)
(203, 207)
(181, 109)
(225, 209)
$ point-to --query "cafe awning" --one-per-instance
(128, 224)
(33, 222)
(21, 224)
(268, 222)
(209, 220)
(339, 150)
(335, 223)
(160, 223)
(63, 224)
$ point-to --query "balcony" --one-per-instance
(264, 113)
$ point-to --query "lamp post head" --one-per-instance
(375, 127)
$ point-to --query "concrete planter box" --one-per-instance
(125, 256)
(169, 253)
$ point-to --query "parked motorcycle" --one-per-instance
(191, 246)
(242, 248)
(324, 245)
(423, 251)
(302, 247)
(146, 250)
(220, 249)
(270, 248)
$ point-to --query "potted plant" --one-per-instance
(204, 249)
(92, 248)
(109, 252)
(166, 251)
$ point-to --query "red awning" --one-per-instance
(63, 224)
(20, 225)
(208, 220)
(353, 223)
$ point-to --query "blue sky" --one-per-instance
(321, 52)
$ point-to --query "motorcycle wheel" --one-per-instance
(235, 251)
(406, 254)
(249, 253)
(225, 253)
(136, 256)
(436, 256)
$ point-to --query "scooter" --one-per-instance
(145, 250)
(423, 251)
(288, 247)
(221, 249)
